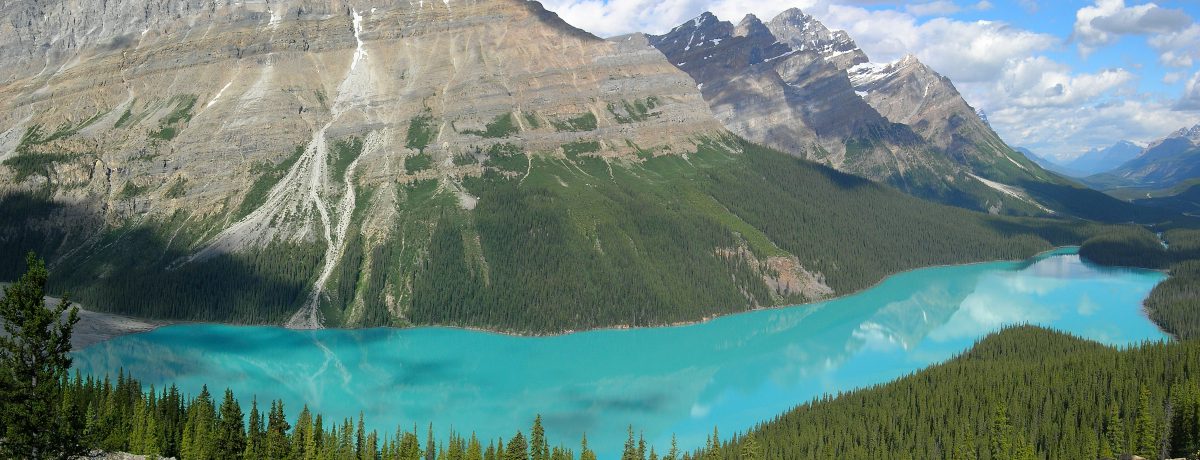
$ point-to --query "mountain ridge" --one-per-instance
(1164, 163)
(470, 163)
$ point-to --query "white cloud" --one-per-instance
(1031, 100)
(1105, 21)
(934, 8)
(1191, 95)
(1180, 48)
(1041, 82)
(1172, 78)
(1068, 131)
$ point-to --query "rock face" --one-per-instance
(1164, 163)
(233, 128)
(793, 84)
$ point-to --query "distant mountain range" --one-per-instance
(1092, 162)
(1045, 163)
(1164, 163)
(1098, 161)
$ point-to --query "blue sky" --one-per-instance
(1059, 77)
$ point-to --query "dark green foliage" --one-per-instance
(418, 162)
(125, 116)
(532, 120)
(132, 190)
(1129, 246)
(463, 159)
(1024, 392)
(576, 148)
(638, 110)
(34, 358)
(231, 433)
(1089, 204)
(1184, 200)
(507, 157)
(1175, 303)
(30, 164)
(855, 231)
(32, 156)
(181, 112)
(420, 131)
(584, 122)
(500, 127)
(613, 257)
(269, 174)
(123, 417)
(178, 188)
(342, 154)
(153, 282)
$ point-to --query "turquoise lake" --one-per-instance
(733, 371)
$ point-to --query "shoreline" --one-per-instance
(104, 326)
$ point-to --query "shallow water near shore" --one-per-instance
(733, 371)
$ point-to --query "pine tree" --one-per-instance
(1114, 430)
(518, 449)
(474, 450)
(34, 357)
(199, 433)
(277, 443)
(255, 442)
(673, 454)
(1145, 431)
(585, 453)
(430, 446)
(539, 449)
(964, 449)
(360, 440)
(303, 441)
(750, 449)
(410, 446)
(630, 451)
(1001, 434)
(231, 433)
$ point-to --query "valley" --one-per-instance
(311, 229)
(730, 372)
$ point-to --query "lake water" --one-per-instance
(732, 372)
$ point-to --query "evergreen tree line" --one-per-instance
(123, 416)
(1021, 393)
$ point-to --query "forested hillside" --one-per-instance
(1022, 393)
(549, 244)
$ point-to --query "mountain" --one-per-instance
(1164, 163)
(475, 163)
(796, 86)
(1097, 161)
(1045, 163)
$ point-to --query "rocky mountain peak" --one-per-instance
(750, 25)
(803, 32)
(1191, 134)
